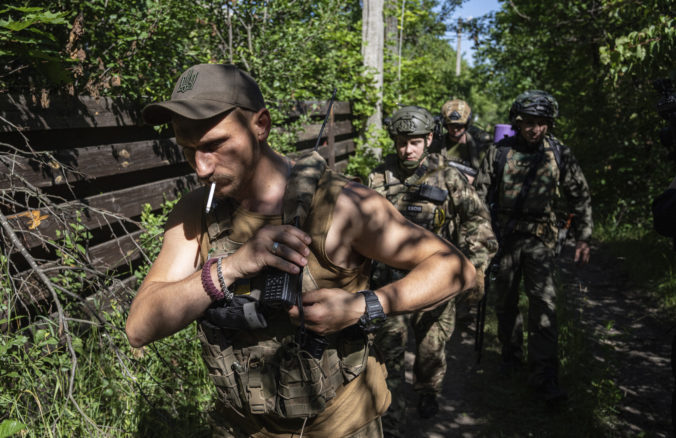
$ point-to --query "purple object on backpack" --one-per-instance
(502, 131)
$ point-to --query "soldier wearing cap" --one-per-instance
(526, 180)
(439, 198)
(463, 143)
(276, 226)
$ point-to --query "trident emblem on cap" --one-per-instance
(187, 81)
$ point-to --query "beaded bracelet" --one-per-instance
(207, 282)
(221, 280)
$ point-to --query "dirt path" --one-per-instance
(626, 339)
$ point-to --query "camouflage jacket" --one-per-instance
(554, 191)
(472, 151)
(456, 213)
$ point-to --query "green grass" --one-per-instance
(649, 260)
(161, 390)
(513, 408)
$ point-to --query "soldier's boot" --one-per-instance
(428, 405)
(546, 384)
(550, 391)
(510, 362)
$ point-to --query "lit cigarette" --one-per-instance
(211, 197)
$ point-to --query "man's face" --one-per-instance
(223, 150)
(411, 148)
(455, 131)
(532, 128)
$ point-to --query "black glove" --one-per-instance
(241, 313)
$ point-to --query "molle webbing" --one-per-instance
(264, 372)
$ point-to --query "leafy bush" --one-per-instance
(88, 381)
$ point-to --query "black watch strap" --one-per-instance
(374, 316)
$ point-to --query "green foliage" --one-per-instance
(72, 253)
(10, 427)
(607, 114)
(153, 233)
(649, 259)
(161, 390)
(643, 50)
(365, 159)
(27, 42)
(425, 74)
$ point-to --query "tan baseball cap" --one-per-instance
(456, 112)
(206, 90)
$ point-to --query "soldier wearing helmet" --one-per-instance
(439, 198)
(526, 181)
(463, 144)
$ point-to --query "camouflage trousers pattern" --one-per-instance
(432, 329)
(528, 257)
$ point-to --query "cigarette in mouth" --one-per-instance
(211, 197)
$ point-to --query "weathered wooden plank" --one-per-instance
(115, 159)
(317, 108)
(343, 127)
(115, 253)
(343, 147)
(92, 162)
(35, 225)
(106, 256)
(66, 112)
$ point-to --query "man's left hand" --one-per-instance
(582, 253)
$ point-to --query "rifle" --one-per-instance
(328, 113)
(489, 277)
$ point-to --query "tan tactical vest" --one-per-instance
(264, 372)
(405, 194)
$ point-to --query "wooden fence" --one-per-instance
(92, 161)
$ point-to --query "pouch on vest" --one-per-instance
(264, 371)
(306, 384)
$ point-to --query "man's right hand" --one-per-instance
(284, 247)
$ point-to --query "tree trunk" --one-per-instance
(372, 50)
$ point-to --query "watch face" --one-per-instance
(378, 320)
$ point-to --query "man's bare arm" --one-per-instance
(172, 295)
(366, 224)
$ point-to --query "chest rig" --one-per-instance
(421, 197)
(535, 213)
(264, 371)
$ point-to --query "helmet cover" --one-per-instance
(456, 112)
(410, 120)
(534, 103)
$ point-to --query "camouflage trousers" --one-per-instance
(432, 329)
(528, 257)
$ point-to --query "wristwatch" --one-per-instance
(374, 316)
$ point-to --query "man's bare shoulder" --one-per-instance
(363, 208)
(187, 214)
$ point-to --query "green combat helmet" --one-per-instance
(535, 103)
(410, 121)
